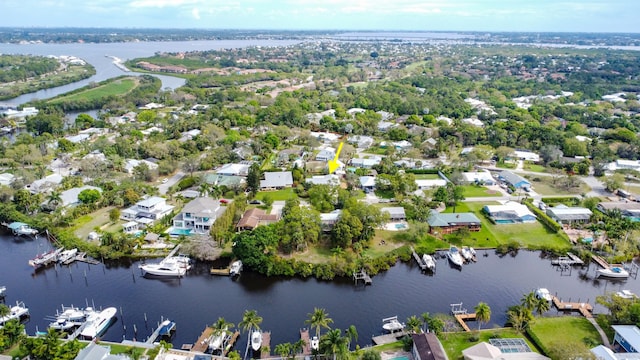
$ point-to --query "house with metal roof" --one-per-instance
(366, 163)
(515, 180)
(276, 180)
(479, 177)
(446, 223)
(629, 209)
(329, 179)
(627, 337)
(95, 351)
(368, 183)
(234, 170)
(509, 213)
(328, 220)
(426, 346)
(563, 214)
(396, 213)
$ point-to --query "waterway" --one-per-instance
(96, 55)
(198, 299)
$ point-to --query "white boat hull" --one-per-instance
(454, 256)
(167, 268)
(256, 340)
(98, 323)
(614, 272)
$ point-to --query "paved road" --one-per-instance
(163, 188)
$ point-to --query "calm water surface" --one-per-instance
(199, 299)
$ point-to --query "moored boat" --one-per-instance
(216, 340)
(67, 255)
(613, 272)
(236, 268)
(626, 294)
(15, 312)
(256, 340)
(543, 293)
(20, 228)
(167, 267)
(3, 290)
(315, 343)
(166, 327)
(466, 253)
(98, 323)
(429, 262)
(454, 256)
(46, 258)
(392, 324)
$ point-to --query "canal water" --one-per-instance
(198, 299)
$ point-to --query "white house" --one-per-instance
(147, 211)
(326, 154)
(473, 121)
(425, 184)
(402, 145)
(131, 164)
(386, 125)
(479, 177)
(624, 164)
(233, 170)
(368, 183)
(509, 213)
(325, 137)
(526, 155)
(361, 141)
(366, 163)
(6, 179)
(329, 179)
(45, 184)
(70, 197)
(197, 216)
(277, 180)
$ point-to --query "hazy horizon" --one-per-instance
(589, 16)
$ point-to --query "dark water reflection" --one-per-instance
(199, 299)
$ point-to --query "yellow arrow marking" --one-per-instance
(333, 164)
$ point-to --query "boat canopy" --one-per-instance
(16, 225)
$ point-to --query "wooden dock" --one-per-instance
(221, 272)
(568, 260)
(232, 340)
(203, 341)
(600, 261)
(584, 308)
(265, 350)
(388, 338)
(421, 263)
(362, 275)
(460, 318)
(304, 336)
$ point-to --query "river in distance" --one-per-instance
(198, 299)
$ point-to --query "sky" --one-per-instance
(425, 15)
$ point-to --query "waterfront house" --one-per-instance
(147, 211)
(95, 351)
(563, 214)
(604, 353)
(396, 213)
(130, 227)
(479, 177)
(627, 337)
(426, 346)
(255, 217)
(233, 170)
(197, 216)
(502, 349)
(629, 209)
(447, 223)
(276, 180)
(515, 180)
(509, 213)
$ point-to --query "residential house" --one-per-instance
(526, 155)
(189, 135)
(255, 217)
(148, 210)
(95, 351)
(45, 184)
(328, 220)
(197, 216)
(563, 214)
(70, 197)
(396, 213)
(325, 137)
(130, 227)
(229, 181)
(502, 349)
(76, 139)
(446, 223)
(326, 154)
(629, 209)
(368, 183)
(233, 169)
(360, 141)
(624, 164)
(131, 164)
(426, 346)
(483, 177)
(385, 115)
(366, 163)
(604, 353)
(288, 155)
(515, 180)
(276, 180)
(386, 125)
(509, 213)
(473, 121)
(6, 179)
(402, 145)
(353, 111)
(329, 179)
(627, 337)
(425, 184)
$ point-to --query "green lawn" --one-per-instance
(427, 176)
(533, 167)
(454, 343)
(478, 191)
(544, 185)
(564, 330)
(506, 165)
(114, 88)
(534, 235)
(87, 223)
(283, 194)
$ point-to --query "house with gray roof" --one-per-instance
(563, 214)
(329, 179)
(366, 163)
(627, 337)
(396, 213)
(70, 197)
(446, 223)
(368, 183)
(94, 351)
(197, 216)
(515, 180)
(276, 180)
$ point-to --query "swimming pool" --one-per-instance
(178, 232)
(401, 226)
(403, 357)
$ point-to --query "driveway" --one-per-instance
(163, 188)
(276, 207)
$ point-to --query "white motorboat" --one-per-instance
(67, 255)
(15, 312)
(236, 268)
(543, 293)
(466, 253)
(454, 256)
(166, 267)
(216, 340)
(63, 324)
(256, 340)
(46, 258)
(20, 228)
(182, 260)
(429, 262)
(166, 328)
(392, 324)
(3, 290)
(613, 272)
(97, 323)
(626, 294)
(73, 313)
(315, 343)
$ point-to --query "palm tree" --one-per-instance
(54, 198)
(529, 300)
(352, 335)
(426, 320)
(414, 324)
(4, 310)
(319, 319)
(222, 326)
(297, 347)
(334, 343)
(283, 350)
(483, 313)
(542, 306)
(250, 321)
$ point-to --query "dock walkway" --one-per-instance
(304, 336)
(600, 261)
(460, 318)
(203, 341)
(584, 308)
(422, 264)
(362, 275)
(388, 338)
(265, 350)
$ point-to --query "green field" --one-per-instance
(534, 167)
(534, 235)
(478, 191)
(544, 185)
(283, 194)
(565, 330)
(427, 176)
(454, 343)
(114, 88)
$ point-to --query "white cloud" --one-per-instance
(196, 13)
(162, 3)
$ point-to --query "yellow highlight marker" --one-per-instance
(333, 164)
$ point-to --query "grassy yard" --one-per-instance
(278, 195)
(114, 88)
(87, 223)
(478, 191)
(565, 330)
(534, 235)
(533, 167)
(544, 185)
(427, 176)
(454, 343)
(506, 165)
